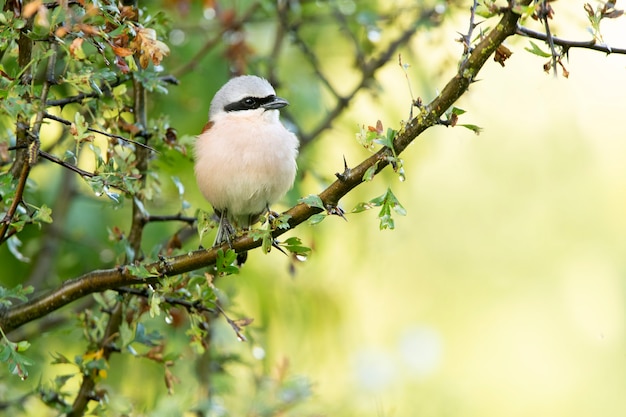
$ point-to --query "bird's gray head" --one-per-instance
(246, 92)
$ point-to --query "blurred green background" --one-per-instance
(501, 293)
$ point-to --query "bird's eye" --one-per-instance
(248, 103)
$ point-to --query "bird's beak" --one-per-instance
(275, 103)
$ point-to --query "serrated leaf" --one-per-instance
(18, 292)
(43, 214)
(282, 221)
(313, 200)
(224, 262)
(140, 271)
(294, 245)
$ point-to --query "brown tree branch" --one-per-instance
(29, 155)
(100, 280)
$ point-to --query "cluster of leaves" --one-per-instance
(10, 352)
(388, 203)
(57, 63)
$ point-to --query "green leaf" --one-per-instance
(473, 128)
(148, 339)
(535, 49)
(313, 201)
(281, 222)
(370, 172)
(317, 218)
(457, 111)
(155, 304)
(387, 140)
(294, 245)
(141, 272)
(224, 262)
(18, 292)
(387, 202)
(16, 362)
(43, 214)
(362, 206)
(205, 223)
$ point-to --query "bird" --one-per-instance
(245, 158)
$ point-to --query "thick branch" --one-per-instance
(429, 116)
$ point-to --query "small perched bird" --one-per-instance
(245, 159)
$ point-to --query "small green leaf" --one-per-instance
(147, 339)
(43, 214)
(362, 206)
(370, 172)
(141, 272)
(317, 218)
(18, 292)
(205, 223)
(155, 305)
(387, 202)
(294, 245)
(535, 49)
(224, 262)
(313, 201)
(473, 128)
(281, 222)
(457, 111)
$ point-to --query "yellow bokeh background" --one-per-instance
(502, 290)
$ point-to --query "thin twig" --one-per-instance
(467, 38)
(64, 164)
(188, 305)
(105, 88)
(101, 132)
(544, 14)
(568, 44)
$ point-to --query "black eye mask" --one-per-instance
(249, 103)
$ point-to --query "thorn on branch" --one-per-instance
(335, 210)
(343, 176)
